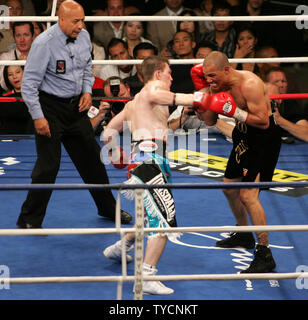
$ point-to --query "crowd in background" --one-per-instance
(139, 39)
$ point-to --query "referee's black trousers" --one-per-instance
(72, 129)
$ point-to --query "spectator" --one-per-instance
(189, 26)
(131, 11)
(133, 34)
(246, 48)
(223, 35)
(160, 32)
(289, 115)
(98, 52)
(104, 31)
(23, 33)
(167, 51)
(12, 76)
(205, 10)
(266, 52)
(15, 10)
(118, 50)
(39, 27)
(28, 7)
(183, 46)
(44, 7)
(203, 48)
(141, 52)
(271, 52)
(113, 87)
(263, 29)
(15, 118)
(148, 7)
(272, 33)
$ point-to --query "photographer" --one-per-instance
(114, 87)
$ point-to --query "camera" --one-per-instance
(115, 87)
(115, 106)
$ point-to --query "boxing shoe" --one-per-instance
(114, 252)
(153, 287)
(237, 239)
(262, 262)
(126, 218)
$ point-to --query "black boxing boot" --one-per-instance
(262, 262)
(238, 239)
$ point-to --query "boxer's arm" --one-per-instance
(115, 126)
(257, 104)
(157, 94)
(116, 154)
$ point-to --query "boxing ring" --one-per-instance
(71, 243)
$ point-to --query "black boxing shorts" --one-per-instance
(254, 151)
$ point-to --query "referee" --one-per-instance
(57, 87)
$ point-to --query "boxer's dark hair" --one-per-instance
(152, 64)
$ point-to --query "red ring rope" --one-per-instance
(289, 96)
(272, 96)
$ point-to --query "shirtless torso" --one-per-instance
(147, 118)
(247, 89)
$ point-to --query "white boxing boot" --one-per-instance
(114, 252)
(153, 287)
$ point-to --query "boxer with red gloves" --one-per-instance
(256, 146)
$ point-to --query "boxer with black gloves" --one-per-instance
(256, 146)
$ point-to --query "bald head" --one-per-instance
(67, 6)
(71, 18)
(217, 59)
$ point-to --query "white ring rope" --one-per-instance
(178, 61)
(294, 17)
(215, 277)
(90, 231)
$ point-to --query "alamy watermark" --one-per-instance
(4, 12)
(301, 22)
(301, 282)
(4, 277)
(191, 141)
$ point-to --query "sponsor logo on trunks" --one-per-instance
(163, 196)
(213, 167)
(148, 146)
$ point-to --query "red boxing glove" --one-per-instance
(118, 157)
(223, 103)
(202, 101)
(197, 76)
